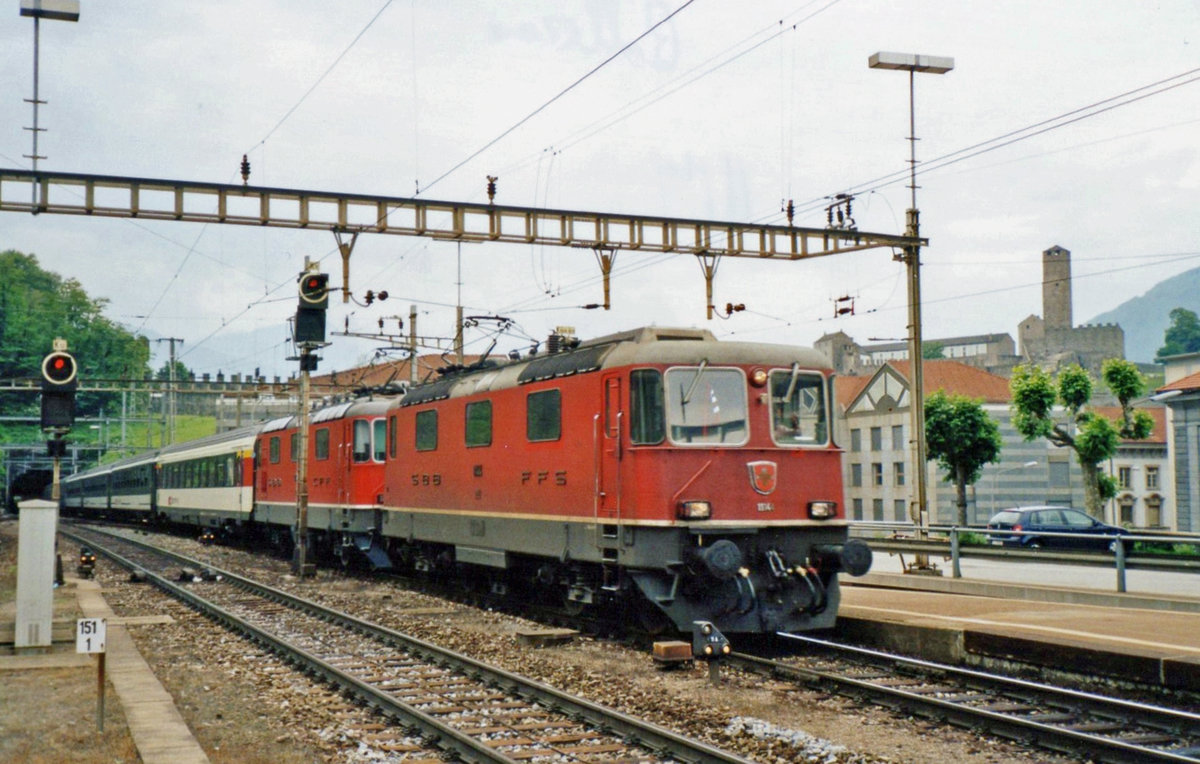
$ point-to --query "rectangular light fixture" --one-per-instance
(61, 10)
(911, 62)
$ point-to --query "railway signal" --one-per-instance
(59, 381)
(310, 314)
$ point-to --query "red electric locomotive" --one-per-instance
(345, 478)
(658, 471)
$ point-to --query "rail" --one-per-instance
(954, 543)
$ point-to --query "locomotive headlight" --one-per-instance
(758, 377)
(694, 510)
(822, 510)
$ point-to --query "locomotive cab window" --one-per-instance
(362, 441)
(274, 450)
(706, 406)
(321, 443)
(379, 439)
(479, 424)
(647, 424)
(798, 408)
(543, 415)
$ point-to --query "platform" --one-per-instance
(155, 724)
(1134, 637)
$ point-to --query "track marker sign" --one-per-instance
(89, 635)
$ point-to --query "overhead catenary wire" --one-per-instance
(557, 96)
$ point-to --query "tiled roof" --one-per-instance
(959, 378)
(1158, 413)
(952, 376)
(846, 389)
(1190, 382)
(390, 370)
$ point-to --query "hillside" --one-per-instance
(1145, 318)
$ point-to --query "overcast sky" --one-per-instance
(722, 112)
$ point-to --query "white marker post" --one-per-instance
(89, 638)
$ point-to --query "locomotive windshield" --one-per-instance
(706, 406)
(797, 407)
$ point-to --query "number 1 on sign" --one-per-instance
(89, 635)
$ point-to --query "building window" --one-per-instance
(426, 430)
(1151, 478)
(877, 473)
(898, 473)
(1154, 512)
(877, 509)
(856, 475)
(1060, 474)
(479, 423)
(855, 440)
(898, 437)
(1124, 477)
(898, 510)
(543, 415)
(858, 509)
(1127, 510)
(876, 438)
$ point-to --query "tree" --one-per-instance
(932, 350)
(1092, 437)
(1183, 335)
(963, 438)
(164, 371)
(35, 307)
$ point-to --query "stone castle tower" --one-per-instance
(1056, 288)
(1052, 341)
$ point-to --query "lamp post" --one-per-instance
(911, 257)
(61, 10)
(1001, 471)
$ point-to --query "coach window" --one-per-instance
(647, 424)
(706, 406)
(797, 408)
(427, 430)
(274, 450)
(543, 415)
(362, 440)
(321, 443)
(379, 439)
(479, 424)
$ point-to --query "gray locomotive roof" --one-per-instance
(647, 345)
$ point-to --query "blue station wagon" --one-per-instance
(1025, 523)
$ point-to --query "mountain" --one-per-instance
(1145, 319)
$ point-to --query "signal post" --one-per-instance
(309, 334)
(59, 382)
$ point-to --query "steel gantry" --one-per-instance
(342, 213)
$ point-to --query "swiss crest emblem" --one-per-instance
(762, 476)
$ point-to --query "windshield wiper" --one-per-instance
(692, 387)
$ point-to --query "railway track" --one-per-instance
(440, 702)
(1054, 718)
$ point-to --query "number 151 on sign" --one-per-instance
(89, 635)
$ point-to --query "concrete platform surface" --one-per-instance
(158, 729)
(1110, 636)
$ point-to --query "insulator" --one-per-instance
(245, 169)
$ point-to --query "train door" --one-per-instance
(608, 447)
